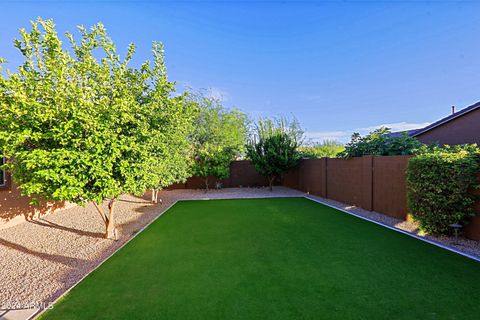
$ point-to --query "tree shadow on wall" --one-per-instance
(13, 204)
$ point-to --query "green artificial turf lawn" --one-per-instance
(284, 258)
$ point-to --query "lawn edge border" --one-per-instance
(308, 197)
(432, 242)
(41, 311)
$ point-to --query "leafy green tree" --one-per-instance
(80, 125)
(325, 149)
(273, 147)
(170, 119)
(380, 143)
(171, 150)
(219, 137)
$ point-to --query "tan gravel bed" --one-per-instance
(41, 259)
(470, 247)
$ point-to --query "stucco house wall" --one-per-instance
(15, 208)
(460, 130)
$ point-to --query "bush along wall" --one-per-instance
(438, 184)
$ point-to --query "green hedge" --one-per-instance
(438, 183)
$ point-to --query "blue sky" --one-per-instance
(338, 67)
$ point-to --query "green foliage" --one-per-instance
(326, 149)
(168, 147)
(80, 124)
(273, 147)
(438, 181)
(380, 143)
(218, 138)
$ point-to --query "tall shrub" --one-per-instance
(438, 181)
(273, 147)
(218, 138)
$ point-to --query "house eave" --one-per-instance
(447, 119)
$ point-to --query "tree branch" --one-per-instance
(102, 214)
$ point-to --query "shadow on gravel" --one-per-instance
(68, 261)
(49, 224)
(140, 201)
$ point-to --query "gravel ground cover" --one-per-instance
(41, 259)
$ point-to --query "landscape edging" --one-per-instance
(435, 243)
(34, 316)
(41, 311)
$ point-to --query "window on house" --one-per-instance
(2, 172)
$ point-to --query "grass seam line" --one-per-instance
(432, 242)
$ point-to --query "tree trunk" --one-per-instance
(270, 182)
(206, 184)
(111, 231)
(154, 195)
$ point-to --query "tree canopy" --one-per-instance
(80, 124)
(380, 142)
(325, 149)
(218, 138)
(273, 147)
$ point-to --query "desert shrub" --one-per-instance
(438, 181)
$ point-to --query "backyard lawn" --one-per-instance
(282, 258)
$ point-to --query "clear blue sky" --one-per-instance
(337, 66)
